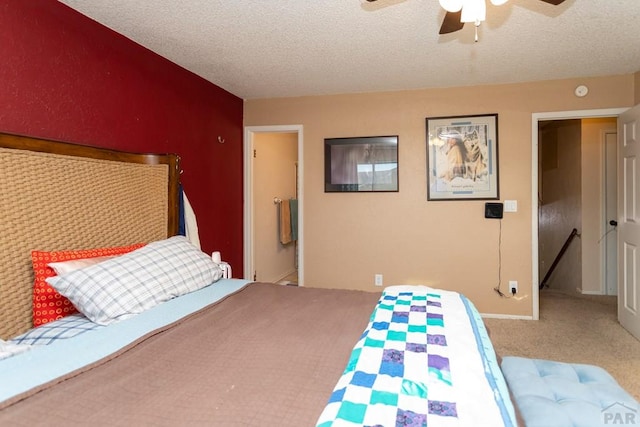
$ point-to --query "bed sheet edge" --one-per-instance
(42, 364)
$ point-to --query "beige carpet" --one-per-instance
(574, 329)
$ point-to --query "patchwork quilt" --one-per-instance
(420, 362)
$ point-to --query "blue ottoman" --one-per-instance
(556, 394)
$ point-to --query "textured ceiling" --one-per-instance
(282, 48)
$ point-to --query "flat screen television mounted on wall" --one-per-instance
(361, 164)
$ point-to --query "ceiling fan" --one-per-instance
(461, 11)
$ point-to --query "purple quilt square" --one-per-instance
(416, 348)
(418, 308)
(444, 409)
(393, 356)
(400, 317)
(434, 303)
(410, 419)
(436, 339)
(392, 363)
(439, 362)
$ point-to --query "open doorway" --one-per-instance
(567, 200)
(577, 202)
(560, 196)
(272, 191)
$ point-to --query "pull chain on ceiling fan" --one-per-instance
(461, 11)
(470, 11)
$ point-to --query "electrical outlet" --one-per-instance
(513, 286)
(377, 280)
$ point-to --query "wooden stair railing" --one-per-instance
(573, 234)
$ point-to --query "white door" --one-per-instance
(629, 220)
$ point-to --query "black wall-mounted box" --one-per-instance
(493, 210)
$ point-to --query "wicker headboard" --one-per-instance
(60, 196)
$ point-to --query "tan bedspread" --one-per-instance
(268, 355)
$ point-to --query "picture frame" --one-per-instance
(361, 164)
(462, 157)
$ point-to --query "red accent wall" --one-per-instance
(65, 77)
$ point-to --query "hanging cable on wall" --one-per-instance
(497, 288)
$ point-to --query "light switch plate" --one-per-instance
(511, 206)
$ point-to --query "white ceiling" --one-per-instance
(282, 48)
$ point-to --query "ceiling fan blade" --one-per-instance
(553, 2)
(451, 22)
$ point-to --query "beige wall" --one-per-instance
(350, 237)
(593, 222)
(274, 175)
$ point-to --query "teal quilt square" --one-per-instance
(412, 388)
(353, 360)
(396, 336)
(434, 321)
(369, 342)
(384, 398)
(353, 412)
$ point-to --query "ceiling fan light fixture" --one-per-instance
(451, 5)
(460, 12)
(474, 11)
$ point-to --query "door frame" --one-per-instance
(248, 220)
(606, 233)
(535, 118)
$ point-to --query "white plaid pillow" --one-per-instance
(61, 329)
(132, 283)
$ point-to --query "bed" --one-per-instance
(205, 350)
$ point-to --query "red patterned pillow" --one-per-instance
(48, 304)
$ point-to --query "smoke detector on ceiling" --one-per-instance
(581, 91)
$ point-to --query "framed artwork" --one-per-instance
(361, 164)
(462, 157)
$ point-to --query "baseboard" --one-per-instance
(284, 276)
(590, 292)
(282, 280)
(505, 316)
